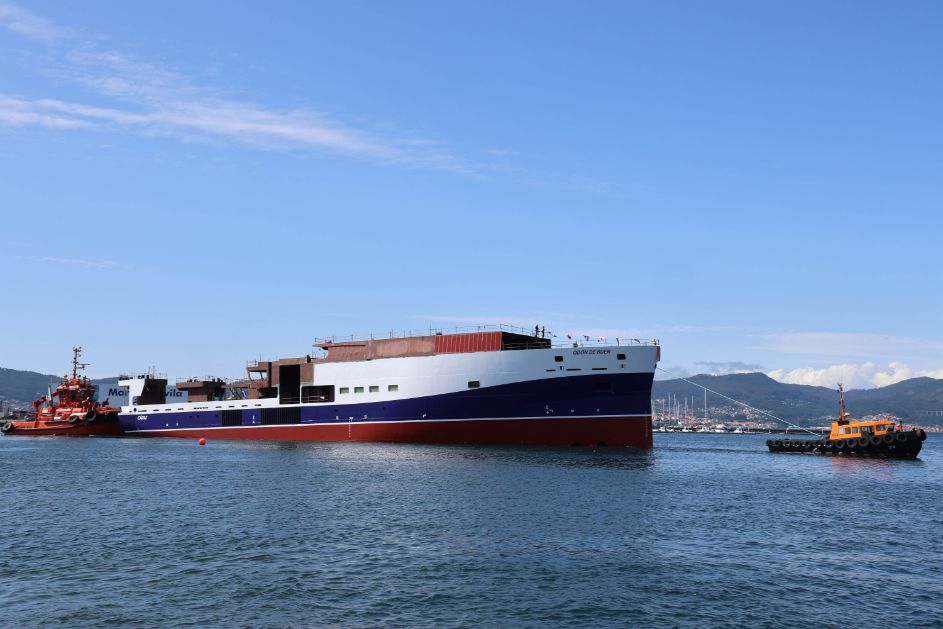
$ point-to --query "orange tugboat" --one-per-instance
(74, 413)
(880, 438)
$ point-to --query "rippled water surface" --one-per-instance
(704, 530)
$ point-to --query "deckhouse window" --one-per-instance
(358, 389)
(374, 388)
(393, 387)
(344, 390)
(312, 394)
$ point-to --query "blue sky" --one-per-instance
(191, 185)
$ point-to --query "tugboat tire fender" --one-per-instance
(888, 439)
(921, 434)
(73, 419)
(875, 441)
(91, 416)
(901, 437)
(862, 442)
(7, 427)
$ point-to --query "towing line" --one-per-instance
(752, 408)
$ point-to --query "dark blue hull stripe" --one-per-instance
(596, 395)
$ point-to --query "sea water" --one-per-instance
(702, 530)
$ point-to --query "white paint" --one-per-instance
(423, 376)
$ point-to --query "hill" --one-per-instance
(912, 400)
(19, 388)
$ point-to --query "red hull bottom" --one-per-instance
(29, 429)
(585, 431)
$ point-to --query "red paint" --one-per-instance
(467, 343)
(48, 429)
(75, 411)
(587, 431)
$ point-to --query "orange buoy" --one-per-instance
(202, 441)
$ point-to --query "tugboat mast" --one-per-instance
(843, 418)
(76, 365)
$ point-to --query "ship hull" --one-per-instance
(31, 429)
(610, 410)
(557, 431)
(899, 445)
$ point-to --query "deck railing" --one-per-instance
(538, 332)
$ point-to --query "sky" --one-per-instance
(188, 186)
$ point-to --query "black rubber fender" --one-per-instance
(7, 427)
(887, 439)
(921, 434)
(91, 416)
(902, 437)
(875, 440)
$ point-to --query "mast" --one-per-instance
(76, 365)
(841, 400)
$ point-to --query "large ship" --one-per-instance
(488, 386)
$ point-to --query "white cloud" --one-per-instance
(242, 123)
(152, 100)
(101, 264)
(16, 112)
(722, 368)
(853, 375)
(21, 21)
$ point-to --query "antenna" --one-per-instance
(76, 365)
(841, 399)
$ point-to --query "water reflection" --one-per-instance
(871, 467)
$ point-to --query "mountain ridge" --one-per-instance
(912, 400)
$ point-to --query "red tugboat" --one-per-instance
(75, 412)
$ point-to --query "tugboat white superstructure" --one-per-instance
(495, 385)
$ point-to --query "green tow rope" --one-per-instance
(752, 408)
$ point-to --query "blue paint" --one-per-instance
(553, 397)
